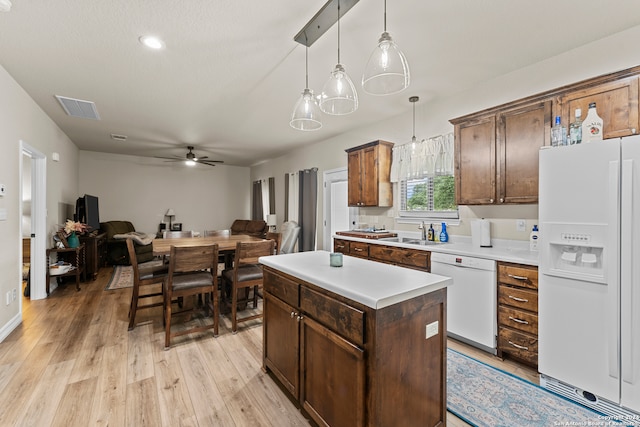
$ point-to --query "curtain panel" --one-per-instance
(256, 205)
(423, 159)
(308, 209)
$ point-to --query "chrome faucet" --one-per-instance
(423, 227)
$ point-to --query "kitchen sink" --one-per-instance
(410, 240)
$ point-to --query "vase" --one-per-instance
(73, 240)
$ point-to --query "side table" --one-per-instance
(76, 256)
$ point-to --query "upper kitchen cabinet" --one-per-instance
(369, 174)
(616, 103)
(496, 154)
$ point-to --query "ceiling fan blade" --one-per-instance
(175, 159)
(203, 157)
(211, 161)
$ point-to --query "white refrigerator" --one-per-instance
(589, 281)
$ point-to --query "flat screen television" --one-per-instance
(87, 211)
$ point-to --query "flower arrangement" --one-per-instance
(74, 226)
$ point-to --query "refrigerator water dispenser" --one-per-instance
(575, 251)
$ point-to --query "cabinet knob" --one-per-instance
(490, 200)
(300, 318)
(501, 200)
(293, 314)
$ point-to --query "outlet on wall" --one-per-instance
(521, 225)
(8, 300)
(14, 294)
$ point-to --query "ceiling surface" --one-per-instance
(230, 73)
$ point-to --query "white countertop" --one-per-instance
(516, 251)
(371, 283)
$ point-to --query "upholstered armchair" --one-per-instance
(117, 248)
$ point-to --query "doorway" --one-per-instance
(35, 161)
(338, 216)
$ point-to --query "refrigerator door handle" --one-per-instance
(612, 318)
(626, 279)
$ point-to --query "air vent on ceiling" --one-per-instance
(117, 137)
(79, 108)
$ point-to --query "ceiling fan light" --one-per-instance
(306, 113)
(387, 71)
(339, 95)
(190, 162)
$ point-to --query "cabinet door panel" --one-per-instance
(333, 377)
(281, 342)
(354, 183)
(370, 176)
(616, 104)
(476, 162)
(401, 256)
(520, 135)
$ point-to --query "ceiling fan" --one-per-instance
(191, 159)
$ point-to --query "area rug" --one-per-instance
(485, 396)
(122, 277)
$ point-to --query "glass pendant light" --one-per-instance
(306, 113)
(339, 95)
(413, 100)
(387, 71)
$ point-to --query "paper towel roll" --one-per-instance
(481, 233)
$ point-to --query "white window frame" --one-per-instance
(411, 217)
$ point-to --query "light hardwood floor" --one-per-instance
(72, 362)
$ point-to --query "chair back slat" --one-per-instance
(277, 239)
(193, 258)
(249, 252)
(133, 259)
(208, 233)
(176, 234)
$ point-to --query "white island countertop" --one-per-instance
(371, 283)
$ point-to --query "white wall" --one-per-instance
(611, 54)
(141, 190)
(22, 119)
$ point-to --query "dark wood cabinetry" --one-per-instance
(404, 257)
(496, 154)
(96, 251)
(616, 104)
(518, 312)
(369, 169)
(339, 359)
(496, 150)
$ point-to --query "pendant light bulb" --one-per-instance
(306, 112)
(413, 100)
(387, 71)
(339, 95)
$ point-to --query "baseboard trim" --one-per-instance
(10, 326)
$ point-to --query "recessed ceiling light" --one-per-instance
(151, 42)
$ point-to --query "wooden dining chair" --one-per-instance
(209, 233)
(191, 273)
(144, 274)
(245, 274)
(176, 234)
(277, 240)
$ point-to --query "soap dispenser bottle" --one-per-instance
(533, 239)
(444, 237)
(431, 236)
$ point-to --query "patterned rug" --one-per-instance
(485, 396)
(122, 277)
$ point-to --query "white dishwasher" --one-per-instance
(471, 300)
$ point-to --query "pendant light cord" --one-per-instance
(306, 67)
(414, 122)
(385, 16)
(338, 31)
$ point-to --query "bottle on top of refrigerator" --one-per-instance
(431, 236)
(533, 239)
(444, 236)
(558, 134)
(592, 125)
(575, 129)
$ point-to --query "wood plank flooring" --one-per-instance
(72, 362)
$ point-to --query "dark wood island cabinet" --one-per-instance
(379, 360)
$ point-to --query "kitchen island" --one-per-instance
(359, 345)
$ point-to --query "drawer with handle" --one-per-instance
(517, 297)
(518, 319)
(518, 344)
(359, 249)
(518, 276)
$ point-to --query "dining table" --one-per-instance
(162, 247)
